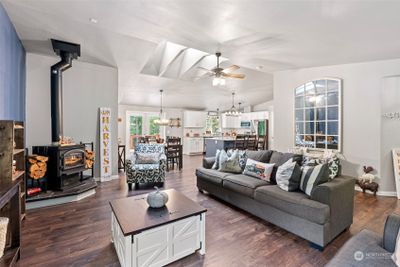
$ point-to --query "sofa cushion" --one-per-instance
(260, 155)
(147, 158)
(211, 175)
(146, 167)
(242, 184)
(295, 203)
(280, 158)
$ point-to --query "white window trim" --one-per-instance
(340, 135)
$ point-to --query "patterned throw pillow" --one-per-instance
(242, 157)
(216, 163)
(334, 167)
(258, 169)
(288, 176)
(147, 158)
(229, 164)
(312, 176)
(333, 164)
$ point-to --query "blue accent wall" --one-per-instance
(12, 71)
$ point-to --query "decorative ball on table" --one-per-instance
(157, 199)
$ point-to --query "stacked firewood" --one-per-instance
(89, 156)
(37, 166)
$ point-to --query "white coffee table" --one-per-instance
(143, 236)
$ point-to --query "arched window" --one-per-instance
(317, 114)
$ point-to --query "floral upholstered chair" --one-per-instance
(147, 165)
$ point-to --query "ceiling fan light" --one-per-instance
(218, 81)
(215, 81)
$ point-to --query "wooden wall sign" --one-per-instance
(105, 144)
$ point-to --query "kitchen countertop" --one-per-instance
(227, 138)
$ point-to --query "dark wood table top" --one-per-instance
(134, 214)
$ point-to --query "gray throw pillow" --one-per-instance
(288, 176)
(229, 164)
(147, 158)
(215, 166)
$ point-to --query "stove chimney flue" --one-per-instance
(67, 52)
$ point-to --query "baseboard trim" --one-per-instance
(106, 179)
(379, 193)
(59, 200)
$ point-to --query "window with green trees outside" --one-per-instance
(136, 125)
(154, 128)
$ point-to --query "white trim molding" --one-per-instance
(379, 193)
(107, 179)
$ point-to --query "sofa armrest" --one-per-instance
(338, 194)
(208, 162)
(390, 232)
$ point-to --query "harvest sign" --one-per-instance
(105, 142)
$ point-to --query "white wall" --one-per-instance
(170, 113)
(362, 84)
(86, 87)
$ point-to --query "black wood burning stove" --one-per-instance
(65, 164)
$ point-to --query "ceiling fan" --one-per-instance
(220, 74)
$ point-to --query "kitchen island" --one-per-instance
(212, 144)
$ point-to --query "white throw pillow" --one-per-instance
(396, 254)
(288, 176)
(259, 169)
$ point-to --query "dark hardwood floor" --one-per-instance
(78, 234)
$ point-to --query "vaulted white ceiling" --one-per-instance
(276, 35)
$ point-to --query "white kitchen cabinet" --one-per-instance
(231, 122)
(193, 145)
(194, 119)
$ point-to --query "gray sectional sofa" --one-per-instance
(318, 219)
(368, 249)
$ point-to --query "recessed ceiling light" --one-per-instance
(93, 20)
(260, 67)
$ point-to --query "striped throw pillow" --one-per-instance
(312, 176)
(288, 176)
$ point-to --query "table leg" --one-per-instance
(203, 233)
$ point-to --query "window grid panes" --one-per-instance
(317, 114)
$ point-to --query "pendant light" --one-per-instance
(232, 112)
(162, 121)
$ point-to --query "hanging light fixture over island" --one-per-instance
(233, 112)
(162, 121)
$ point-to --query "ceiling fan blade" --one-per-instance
(205, 69)
(231, 68)
(196, 78)
(234, 75)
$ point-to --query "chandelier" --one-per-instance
(233, 112)
(162, 121)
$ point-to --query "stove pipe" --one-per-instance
(67, 52)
